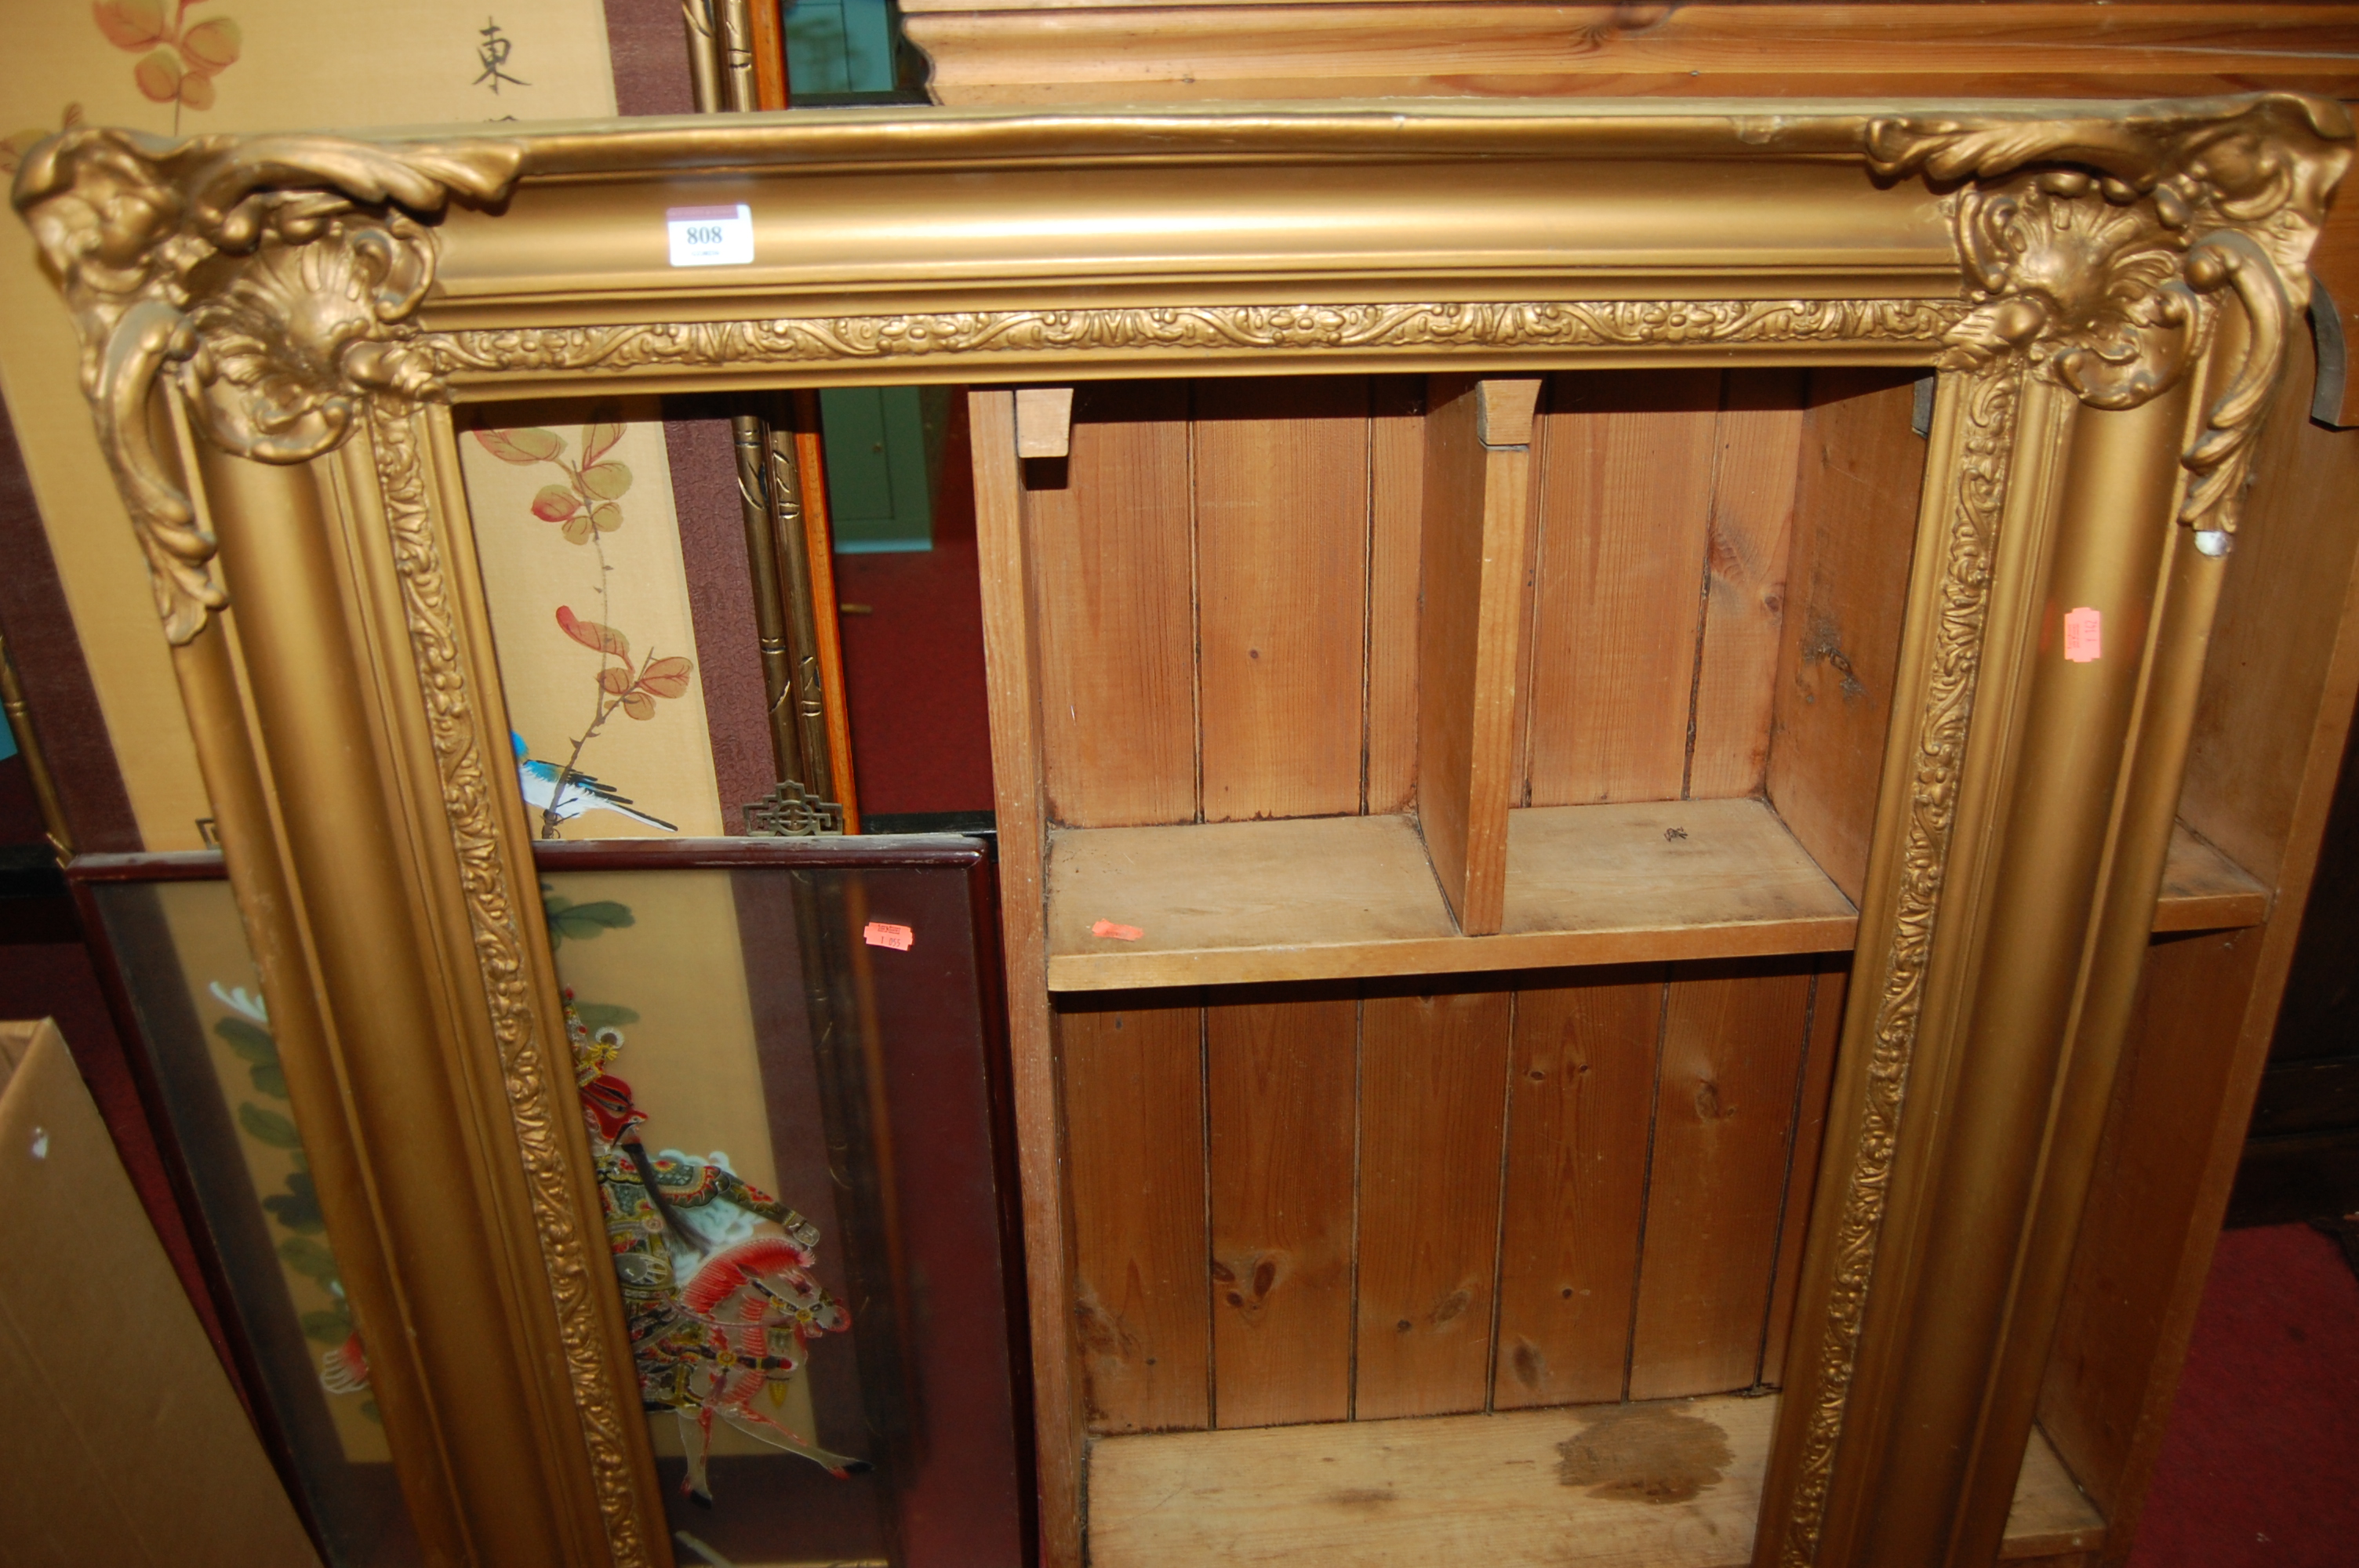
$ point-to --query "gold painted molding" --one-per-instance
(1197, 332)
(2102, 269)
(288, 292)
(2107, 271)
(539, 1090)
(1976, 470)
(132, 227)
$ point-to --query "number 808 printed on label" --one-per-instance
(711, 236)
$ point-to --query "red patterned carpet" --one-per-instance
(2260, 1466)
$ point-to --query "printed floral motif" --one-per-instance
(178, 59)
(343, 1365)
(586, 508)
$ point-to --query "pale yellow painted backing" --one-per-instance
(300, 67)
(663, 764)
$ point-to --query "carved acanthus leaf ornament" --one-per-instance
(1196, 331)
(2102, 250)
(269, 276)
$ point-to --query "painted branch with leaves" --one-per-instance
(586, 508)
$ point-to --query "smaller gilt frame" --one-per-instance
(274, 327)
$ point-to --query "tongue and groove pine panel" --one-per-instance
(1624, 508)
(1280, 1080)
(1432, 1076)
(1580, 1100)
(1827, 998)
(1665, 504)
(1107, 535)
(1230, 583)
(1134, 1162)
(1281, 530)
(1277, 516)
(1732, 1045)
(1756, 445)
(1855, 509)
(1396, 516)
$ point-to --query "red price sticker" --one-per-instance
(1119, 933)
(877, 933)
(2084, 635)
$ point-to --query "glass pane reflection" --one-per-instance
(206, 1031)
(793, 1127)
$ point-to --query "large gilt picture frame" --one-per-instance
(274, 329)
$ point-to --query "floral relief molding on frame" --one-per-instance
(274, 281)
(535, 1085)
(274, 356)
(2100, 250)
(2096, 247)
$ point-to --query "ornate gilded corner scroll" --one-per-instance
(2101, 250)
(2096, 251)
(272, 279)
(269, 276)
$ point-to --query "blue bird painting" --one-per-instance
(561, 796)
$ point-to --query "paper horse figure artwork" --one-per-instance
(722, 1313)
(561, 794)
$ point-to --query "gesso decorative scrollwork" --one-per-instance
(266, 275)
(1990, 397)
(2100, 251)
(536, 1087)
(1193, 330)
(275, 281)
(2096, 258)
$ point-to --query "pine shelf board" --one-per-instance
(1342, 897)
(1349, 897)
(1674, 1484)
(2202, 889)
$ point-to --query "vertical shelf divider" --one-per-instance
(1011, 671)
(1478, 436)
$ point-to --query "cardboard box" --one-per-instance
(123, 1442)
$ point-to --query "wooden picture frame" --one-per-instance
(272, 325)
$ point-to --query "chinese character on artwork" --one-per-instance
(491, 54)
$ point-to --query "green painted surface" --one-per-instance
(883, 445)
(836, 47)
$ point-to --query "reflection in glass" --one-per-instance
(206, 1031)
(792, 1129)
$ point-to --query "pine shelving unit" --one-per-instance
(1433, 812)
